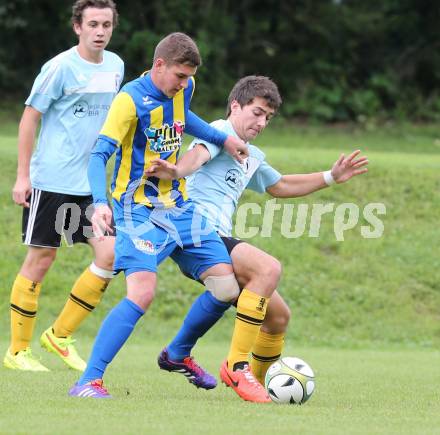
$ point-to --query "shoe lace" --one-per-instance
(99, 385)
(251, 378)
(30, 357)
(193, 366)
(66, 341)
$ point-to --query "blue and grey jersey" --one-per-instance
(217, 186)
(74, 96)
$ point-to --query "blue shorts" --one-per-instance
(145, 237)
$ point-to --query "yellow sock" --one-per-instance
(251, 309)
(24, 304)
(267, 349)
(85, 295)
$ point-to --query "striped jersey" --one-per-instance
(146, 124)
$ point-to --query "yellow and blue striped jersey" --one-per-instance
(146, 124)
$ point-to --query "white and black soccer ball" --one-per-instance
(290, 380)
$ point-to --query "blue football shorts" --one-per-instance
(147, 236)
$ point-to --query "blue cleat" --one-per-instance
(188, 367)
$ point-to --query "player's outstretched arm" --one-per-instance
(26, 138)
(186, 165)
(290, 186)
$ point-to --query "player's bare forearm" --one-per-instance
(290, 186)
(186, 165)
(192, 160)
(295, 185)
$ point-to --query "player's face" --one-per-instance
(94, 32)
(171, 78)
(250, 120)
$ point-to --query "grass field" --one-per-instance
(358, 392)
(366, 312)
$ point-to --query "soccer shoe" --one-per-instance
(23, 360)
(188, 367)
(244, 383)
(64, 348)
(94, 389)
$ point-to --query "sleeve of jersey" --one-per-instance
(199, 128)
(101, 153)
(47, 88)
(121, 79)
(264, 177)
(213, 150)
(120, 117)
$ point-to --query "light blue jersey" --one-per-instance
(74, 96)
(217, 186)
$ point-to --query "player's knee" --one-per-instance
(276, 322)
(40, 261)
(105, 262)
(105, 259)
(270, 272)
(142, 298)
(224, 288)
(284, 317)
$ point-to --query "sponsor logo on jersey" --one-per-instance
(165, 139)
(80, 109)
(233, 178)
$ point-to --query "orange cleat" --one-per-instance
(244, 383)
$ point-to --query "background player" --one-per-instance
(71, 97)
(154, 217)
(216, 187)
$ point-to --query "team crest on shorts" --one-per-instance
(144, 245)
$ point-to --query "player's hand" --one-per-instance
(162, 169)
(348, 167)
(101, 221)
(236, 148)
(21, 191)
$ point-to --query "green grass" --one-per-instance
(354, 293)
(365, 312)
(357, 392)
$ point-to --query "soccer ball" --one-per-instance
(290, 380)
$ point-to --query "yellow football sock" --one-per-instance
(251, 309)
(267, 349)
(24, 304)
(85, 295)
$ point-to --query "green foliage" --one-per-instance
(333, 60)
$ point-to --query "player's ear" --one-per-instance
(235, 106)
(159, 64)
(77, 28)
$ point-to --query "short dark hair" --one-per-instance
(79, 6)
(250, 87)
(178, 48)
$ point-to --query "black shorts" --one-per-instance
(51, 215)
(230, 243)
